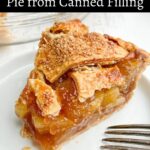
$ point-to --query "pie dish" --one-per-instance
(5, 35)
(2, 14)
(79, 79)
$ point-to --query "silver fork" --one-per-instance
(140, 141)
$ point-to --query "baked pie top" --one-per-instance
(69, 27)
(46, 97)
(90, 79)
(58, 52)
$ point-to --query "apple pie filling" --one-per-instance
(51, 109)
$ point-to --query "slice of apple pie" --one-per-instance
(79, 79)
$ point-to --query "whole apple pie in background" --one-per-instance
(79, 79)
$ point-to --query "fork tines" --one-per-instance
(131, 126)
(112, 147)
(126, 143)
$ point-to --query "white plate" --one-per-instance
(13, 76)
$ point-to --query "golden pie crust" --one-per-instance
(58, 52)
(79, 79)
